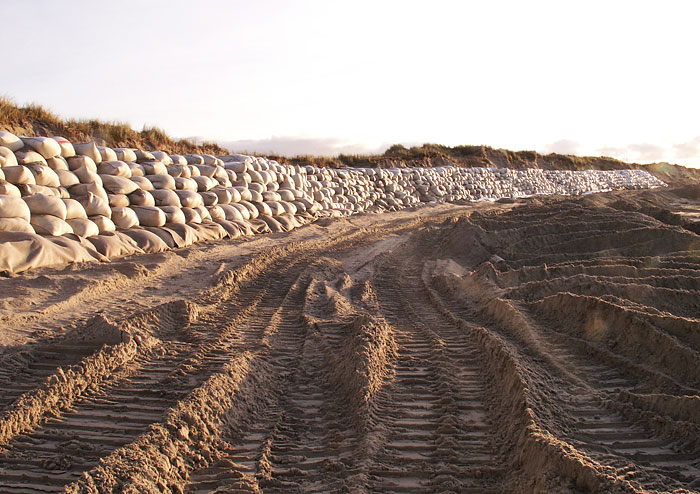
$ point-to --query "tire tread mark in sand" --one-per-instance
(439, 435)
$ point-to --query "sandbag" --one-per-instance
(164, 181)
(182, 183)
(154, 168)
(209, 231)
(7, 157)
(46, 205)
(232, 229)
(43, 175)
(235, 195)
(136, 169)
(148, 242)
(57, 163)
(191, 215)
(205, 183)
(176, 171)
(142, 182)
(141, 198)
(67, 149)
(203, 213)
(33, 189)
(223, 195)
(46, 224)
(244, 193)
(118, 200)
(118, 168)
(74, 210)
(216, 213)
(163, 157)
(259, 226)
(183, 235)
(173, 215)
(95, 205)
(288, 222)
(104, 223)
(86, 176)
(45, 146)
(18, 175)
(194, 159)
(14, 207)
(231, 213)
(82, 190)
(28, 157)
(118, 185)
(263, 208)
(165, 237)
(21, 251)
(124, 218)
(83, 227)
(142, 155)
(255, 196)
(125, 154)
(107, 154)
(16, 225)
(88, 149)
(149, 215)
(252, 210)
(286, 195)
(209, 198)
(8, 189)
(189, 199)
(178, 159)
(10, 141)
(209, 159)
(165, 197)
(276, 208)
(79, 162)
(115, 244)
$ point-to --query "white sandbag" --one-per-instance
(18, 175)
(77, 162)
(207, 170)
(28, 157)
(178, 159)
(57, 163)
(143, 183)
(257, 187)
(163, 157)
(118, 200)
(142, 155)
(83, 227)
(189, 199)
(67, 149)
(205, 183)
(21, 251)
(46, 205)
(46, 224)
(173, 215)
(216, 213)
(43, 175)
(125, 154)
(223, 195)
(88, 149)
(45, 146)
(82, 190)
(2, 175)
(107, 154)
(154, 168)
(164, 181)
(149, 215)
(245, 194)
(136, 169)
(209, 159)
(114, 244)
(289, 207)
(194, 171)
(182, 183)
(235, 195)
(118, 185)
(209, 198)
(104, 224)
(203, 213)
(16, 225)
(33, 189)
(124, 218)
(176, 171)
(7, 157)
(87, 176)
(166, 197)
(67, 178)
(231, 213)
(141, 198)
(14, 207)
(192, 216)
(117, 168)
(256, 177)
(8, 189)
(194, 159)
(74, 210)
(148, 242)
(10, 141)
(252, 210)
(271, 196)
(231, 175)
(95, 205)
(276, 208)
(256, 196)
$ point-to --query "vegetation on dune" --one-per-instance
(34, 120)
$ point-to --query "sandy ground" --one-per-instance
(542, 345)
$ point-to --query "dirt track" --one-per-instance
(536, 346)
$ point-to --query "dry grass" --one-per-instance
(34, 120)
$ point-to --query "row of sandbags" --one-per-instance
(55, 188)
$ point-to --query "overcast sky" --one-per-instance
(613, 77)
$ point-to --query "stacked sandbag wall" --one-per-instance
(95, 202)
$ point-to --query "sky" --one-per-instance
(615, 78)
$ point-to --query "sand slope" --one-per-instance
(526, 346)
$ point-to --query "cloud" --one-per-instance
(563, 146)
(639, 152)
(293, 146)
(690, 149)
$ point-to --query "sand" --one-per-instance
(534, 345)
